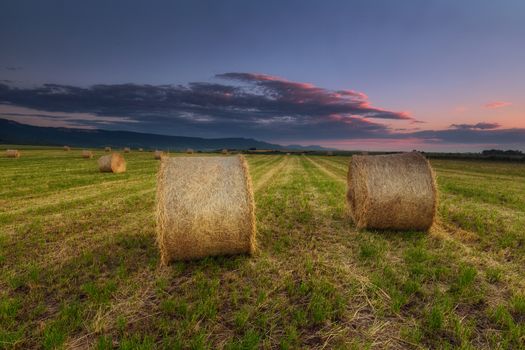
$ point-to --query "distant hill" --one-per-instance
(308, 148)
(12, 132)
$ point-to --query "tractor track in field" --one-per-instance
(76, 216)
(58, 196)
(266, 177)
(76, 200)
(326, 171)
(335, 164)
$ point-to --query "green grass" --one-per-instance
(79, 266)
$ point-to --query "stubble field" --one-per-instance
(79, 267)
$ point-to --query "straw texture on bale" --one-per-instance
(205, 208)
(107, 149)
(396, 192)
(112, 163)
(12, 153)
(158, 154)
(87, 154)
(127, 150)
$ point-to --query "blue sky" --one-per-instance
(441, 63)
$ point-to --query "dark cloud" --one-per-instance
(471, 136)
(251, 105)
(478, 126)
(309, 99)
(257, 106)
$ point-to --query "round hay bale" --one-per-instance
(112, 163)
(141, 149)
(224, 151)
(12, 153)
(67, 148)
(205, 208)
(189, 151)
(127, 150)
(87, 154)
(107, 149)
(395, 192)
(158, 154)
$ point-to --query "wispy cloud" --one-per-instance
(477, 126)
(497, 104)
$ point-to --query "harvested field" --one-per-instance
(79, 266)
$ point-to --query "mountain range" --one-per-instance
(12, 132)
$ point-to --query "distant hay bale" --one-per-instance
(107, 149)
(127, 150)
(329, 153)
(189, 151)
(12, 153)
(288, 153)
(112, 163)
(224, 151)
(205, 208)
(158, 154)
(141, 149)
(67, 148)
(395, 192)
(87, 154)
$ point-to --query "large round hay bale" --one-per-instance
(224, 151)
(12, 153)
(67, 148)
(205, 207)
(189, 151)
(127, 149)
(141, 149)
(87, 154)
(158, 154)
(107, 149)
(112, 163)
(395, 192)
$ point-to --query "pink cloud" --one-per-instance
(344, 101)
(497, 104)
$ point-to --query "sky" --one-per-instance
(369, 75)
